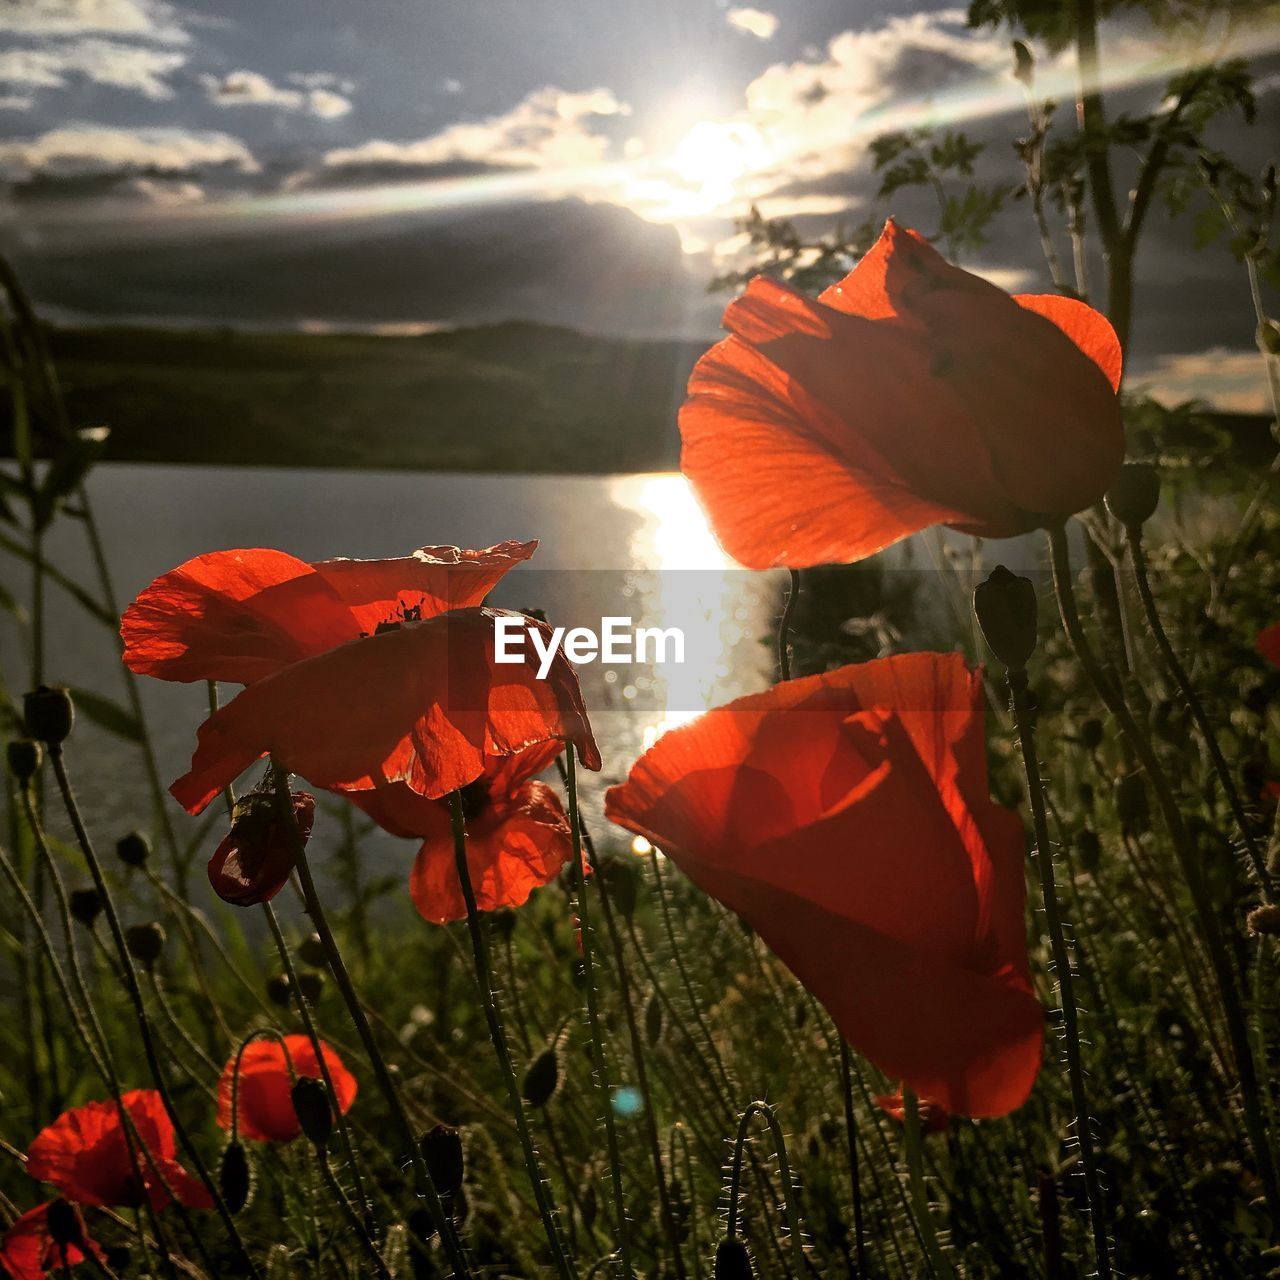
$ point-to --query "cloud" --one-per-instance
(81, 150)
(753, 22)
(252, 89)
(146, 19)
(16, 102)
(1232, 381)
(106, 62)
(551, 128)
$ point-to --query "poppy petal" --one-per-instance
(516, 848)
(816, 507)
(29, 1251)
(424, 705)
(264, 1094)
(1269, 644)
(232, 615)
(431, 581)
(1090, 330)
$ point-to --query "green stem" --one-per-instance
(1134, 536)
(599, 1060)
(851, 1133)
(1206, 913)
(799, 1265)
(315, 909)
(1063, 971)
(938, 1261)
(484, 975)
(135, 996)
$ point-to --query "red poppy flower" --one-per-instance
(256, 857)
(263, 1098)
(911, 393)
(933, 1118)
(1269, 643)
(29, 1251)
(85, 1155)
(518, 835)
(846, 818)
(361, 673)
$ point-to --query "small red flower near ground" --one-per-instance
(933, 1119)
(912, 393)
(85, 1155)
(256, 857)
(30, 1252)
(263, 1098)
(1269, 644)
(518, 835)
(360, 674)
(846, 818)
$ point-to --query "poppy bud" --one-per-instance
(312, 1107)
(255, 859)
(278, 989)
(235, 1178)
(1135, 495)
(653, 1019)
(1131, 804)
(310, 984)
(1264, 920)
(541, 1079)
(63, 1221)
(49, 714)
(1006, 607)
(1024, 64)
(1088, 850)
(621, 881)
(84, 905)
(145, 942)
(733, 1262)
(133, 850)
(311, 949)
(1091, 734)
(441, 1148)
(25, 758)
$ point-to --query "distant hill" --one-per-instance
(502, 397)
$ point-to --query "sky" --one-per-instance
(398, 165)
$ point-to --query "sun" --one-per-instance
(716, 155)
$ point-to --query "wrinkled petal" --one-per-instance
(29, 1252)
(433, 580)
(233, 615)
(1090, 330)
(519, 845)
(933, 1118)
(845, 817)
(256, 857)
(264, 1097)
(424, 705)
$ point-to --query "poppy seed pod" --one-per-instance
(278, 989)
(1131, 804)
(310, 985)
(311, 949)
(1135, 495)
(1264, 920)
(1006, 607)
(84, 905)
(541, 1079)
(49, 714)
(145, 942)
(64, 1222)
(312, 1107)
(134, 849)
(441, 1148)
(25, 758)
(235, 1178)
(733, 1262)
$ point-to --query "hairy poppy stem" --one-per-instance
(600, 1063)
(938, 1261)
(784, 626)
(1206, 915)
(568, 776)
(382, 1074)
(1133, 535)
(1022, 717)
(799, 1266)
(851, 1133)
(484, 975)
(140, 1013)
